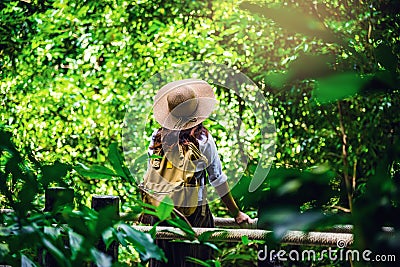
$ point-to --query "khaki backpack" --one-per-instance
(172, 173)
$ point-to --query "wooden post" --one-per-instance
(56, 197)
(98, 203)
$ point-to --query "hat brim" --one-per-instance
(206, 102)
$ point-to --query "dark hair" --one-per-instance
(185, 136)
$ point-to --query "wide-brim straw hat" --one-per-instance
(183, 104)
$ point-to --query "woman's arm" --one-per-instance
(219, 181)
(226, 196)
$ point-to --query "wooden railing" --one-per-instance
(229, 230)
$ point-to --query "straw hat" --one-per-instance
(183, 104)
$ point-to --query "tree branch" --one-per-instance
(346, 176)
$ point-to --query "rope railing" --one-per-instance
(218, 222)
(235, 235)
(229, 223)
(226, 230)
(230, 231)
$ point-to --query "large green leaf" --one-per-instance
(293, 21)
(142, 242)
(114, 156)
(206, 263)
(165, 208)
(95, 171)
(101, 259)
(75, 243)
(55, 251)
(184, 226)
(338, 86)
(4, 249)
(105, 219)
(26, 262)
(304, 67)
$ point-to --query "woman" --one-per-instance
(180, 107)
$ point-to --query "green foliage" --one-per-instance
(70, 237)
(142, 242)
(165, 208)
(359, 84)
(22, 180)
(329, 69)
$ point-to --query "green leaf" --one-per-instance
(7, 144)
(26, 262)
(116, 160)
(317, 66)
(75, 243)
(131, 215)
(108, 237)
(4, 250)
(150, 212)
(53, 232)
(58, 255)
(307, 67)
(245, 240)
(95, 171)
(294, 21)
(285, 219)
(338, 86)
(203, 237)
(140, 160)
(142, 242)
(105, 219)
(200, 262)
(120, 237)
(184, 226)
(276, 79)
(78, 223)
(13, 167)
(165, 208)
(211, 245)
(100, 258)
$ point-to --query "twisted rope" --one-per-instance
(235, 235)
(340, 234)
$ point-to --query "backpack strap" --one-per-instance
(204, 201)
(199, 156)
(181, 155)
(204, 194)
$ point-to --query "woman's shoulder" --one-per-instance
(206, 142)
(204, 137)
(154, 133)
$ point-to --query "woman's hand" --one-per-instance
(242, 217)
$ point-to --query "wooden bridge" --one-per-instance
(225, 229)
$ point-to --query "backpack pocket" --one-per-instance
(185, 198)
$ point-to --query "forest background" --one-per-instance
(329, 71)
